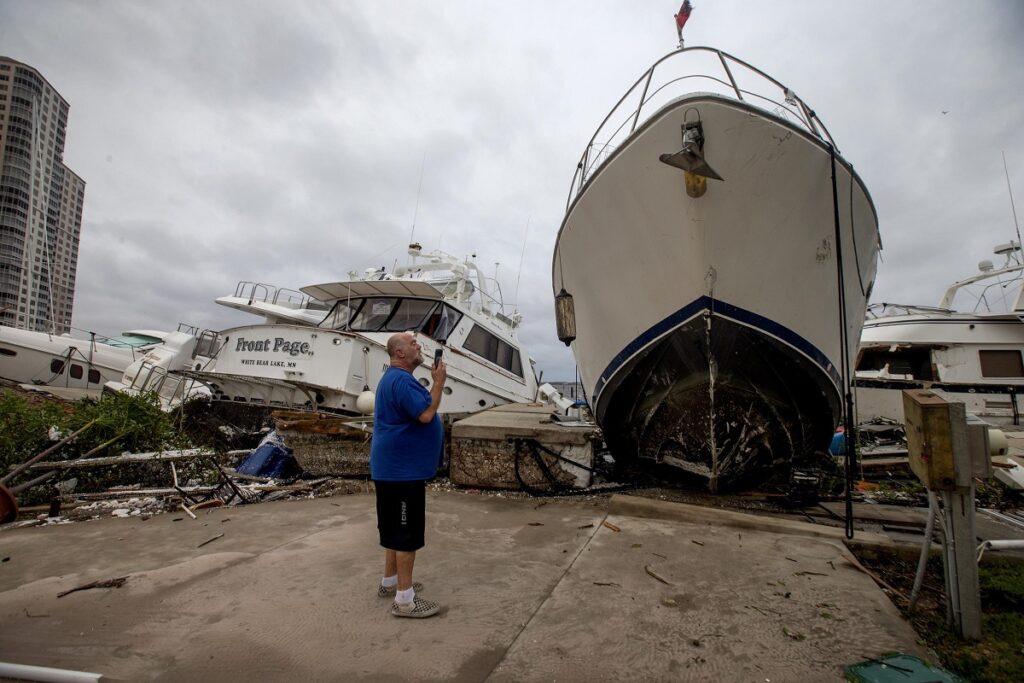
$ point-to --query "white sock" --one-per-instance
(389, 581)
(406, 596)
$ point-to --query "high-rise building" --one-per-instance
(40, 204)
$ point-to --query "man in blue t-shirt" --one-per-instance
(405, 452)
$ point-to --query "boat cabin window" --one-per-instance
(410, 314)
(341, 313)
(94, 376)
(373, 314)
(486, 345)
(390, 314)
(1002, 363)
(56, 366)
(914, 361)
(76, 371)
(440, 323)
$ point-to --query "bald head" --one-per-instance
(404, 350)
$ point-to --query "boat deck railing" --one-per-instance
(278, 296)
(697, 69)
(887, 310)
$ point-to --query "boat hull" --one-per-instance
(720, 397)
(756, 256)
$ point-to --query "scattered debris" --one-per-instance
(209, 540)
(696, 542)
(535, 524)
(607, 583)
(109, 583)
(793, 634)
(190, 513)
(652, 574)
(664, 557)
(808, 573)
(610, 526)
(34, 616)
(586, 526)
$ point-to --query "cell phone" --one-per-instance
(437, 354)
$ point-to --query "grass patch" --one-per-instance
(999, 655)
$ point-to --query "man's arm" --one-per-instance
(439, 373)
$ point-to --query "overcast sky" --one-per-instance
(282, 142)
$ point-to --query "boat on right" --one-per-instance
(712, 272)
(969, 346)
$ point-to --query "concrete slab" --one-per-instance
(533, 589)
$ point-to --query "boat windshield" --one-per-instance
(131, 341)
(393, 314)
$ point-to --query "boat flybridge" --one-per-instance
(969, 346)
(744, 247)
(324, 347)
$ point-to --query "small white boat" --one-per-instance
(324, 348)
(968, 347)
(42, 359)
(698, 275)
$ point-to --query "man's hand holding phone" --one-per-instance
(439, 372)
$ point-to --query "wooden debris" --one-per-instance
(190, 513)
(535, 524)
(610, 526)
(607, 583)
(128, 458)
(207, 504)
(806, 573)
(109, 583)
(209, 540)
(652, 574)
(849, 557)
(793, 634)
(664, 557)
(586, 526)
(696, 542)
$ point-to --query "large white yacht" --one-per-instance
(712, 271)
(969, 346)
(323, 348)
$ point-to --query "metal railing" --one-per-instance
(705, 70)
(258, 291)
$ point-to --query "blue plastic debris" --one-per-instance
(899, 667)
(271, 461)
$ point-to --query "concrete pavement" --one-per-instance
(534, 590)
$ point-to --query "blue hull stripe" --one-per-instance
(719, 307)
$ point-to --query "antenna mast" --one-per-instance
(1012, 206)
(419, 188)
(519, 275)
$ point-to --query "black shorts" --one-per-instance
(401, 509)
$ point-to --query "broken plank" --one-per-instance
(131, 458)
(109, 583)
(138, 493)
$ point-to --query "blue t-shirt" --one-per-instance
(403, 448)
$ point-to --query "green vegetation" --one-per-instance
(119, 423)
(999, 655)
